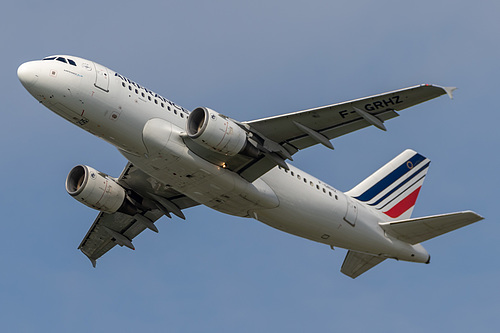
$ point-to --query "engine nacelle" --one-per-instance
(216, 132)
(95, 189)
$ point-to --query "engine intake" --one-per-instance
(216, 132)
(96, 190)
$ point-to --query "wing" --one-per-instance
(278, 138)
(356, 263)
(152, 199)
(299, 130)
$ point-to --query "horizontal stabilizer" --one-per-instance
(418, 230)
(356, 263)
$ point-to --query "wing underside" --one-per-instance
(334, 120)
(109, 230)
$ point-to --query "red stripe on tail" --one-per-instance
(403, 205)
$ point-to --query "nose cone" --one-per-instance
(28, 73)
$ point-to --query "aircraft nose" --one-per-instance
(28, 73)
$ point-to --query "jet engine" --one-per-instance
(216, 132)
(97, 190)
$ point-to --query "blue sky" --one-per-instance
(217, 273)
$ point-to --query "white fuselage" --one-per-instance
(148, 130)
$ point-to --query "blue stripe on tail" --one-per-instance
(388, 180)
(402, 183)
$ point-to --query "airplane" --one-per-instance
(179, 159)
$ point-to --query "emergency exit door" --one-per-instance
(352, 212)
(101, 77)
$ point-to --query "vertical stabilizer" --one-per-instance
(394, 188)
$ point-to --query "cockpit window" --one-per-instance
(61, 59)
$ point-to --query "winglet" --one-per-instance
(449, 91)
(93, 261)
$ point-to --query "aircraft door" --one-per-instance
(352, 212)
(101, 77)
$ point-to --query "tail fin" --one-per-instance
(394, 188)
